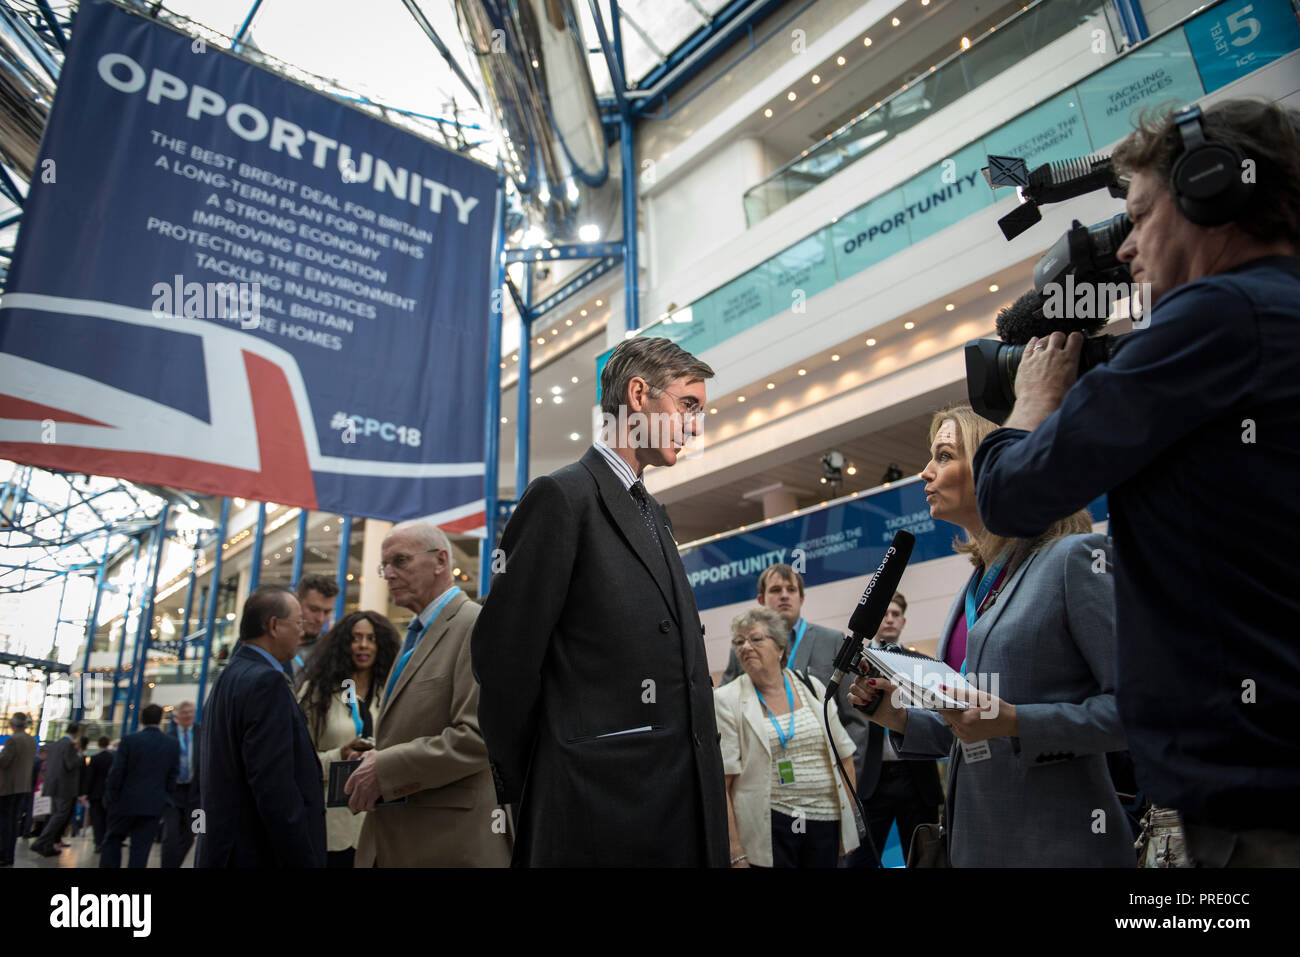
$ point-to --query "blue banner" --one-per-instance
(227, 282)
(844, 540)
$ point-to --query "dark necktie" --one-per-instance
(647, 513)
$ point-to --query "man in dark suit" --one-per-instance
(62, 783)
(16, 761)
(595, 700)
(96, 781)
(262, 798)
(140, 784)
(893, 788)
(178, 818)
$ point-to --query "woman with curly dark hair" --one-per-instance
(341, 698)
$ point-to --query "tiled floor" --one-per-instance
(81, 853)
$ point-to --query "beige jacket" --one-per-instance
(430, 751)
(747, 752)
(342, 827)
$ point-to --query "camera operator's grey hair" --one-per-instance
(659, 361)
(427, 534)
(773, 626)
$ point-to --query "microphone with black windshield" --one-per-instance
(873, 604)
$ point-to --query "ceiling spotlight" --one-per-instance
(515, 357)
(909, 324)
(949, 307)
(835, 357)
(538, 400)
(965, 43)
(771, 385)
(574, 436)
(573, 379)
(554, 331)
(456, 572)
(803, 371)
(839, 61)
(541, 341)
(768, 113)
(568, 322)
(816, 78)
(852, 470)
(557, 399)
(504, 420)
(325, 528)
(866, 41)
(895, 21)
(871, 342)
(713, 411)
(600, 302)
(589, 233)
(556, 390)
(993, 288)
(792, 96)
(230, 616)
(740, 398)
(350, 576)
(582, 312)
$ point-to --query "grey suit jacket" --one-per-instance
(1045, 798)
(62, 770)
(816, 655)
(16, 759)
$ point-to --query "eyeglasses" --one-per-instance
(400, 562)
(686, 404)
(740, 642)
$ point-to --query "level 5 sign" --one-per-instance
(1234, 39)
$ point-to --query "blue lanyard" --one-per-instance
(799, 629)
(785, 736)
(356, 713)
(455, 590)
(975, 598)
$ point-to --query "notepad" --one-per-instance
(919, 678)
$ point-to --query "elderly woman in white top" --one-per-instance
(786, 803)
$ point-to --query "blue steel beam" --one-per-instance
(259, 538)
(523, 390)
(91, 626)
(564, 251)
(300, 547)
(492, 415)
(146, 618)
(432, 34)
(189, 597)
(631, 290)
(53, 22)
(126, 617)
(575, 285)
(699, 50)
(243, 28)
(613, 61)
(214, 591)
(345, 545)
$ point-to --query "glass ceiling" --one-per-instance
(51, 522)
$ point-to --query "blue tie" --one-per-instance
(185, 755)
(413, 631)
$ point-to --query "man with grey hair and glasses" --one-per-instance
(595, 698)
(426, 782)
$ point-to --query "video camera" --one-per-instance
(1084, 258)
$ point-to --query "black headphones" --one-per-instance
(1207, 180)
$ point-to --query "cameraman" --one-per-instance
(1193, 428)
